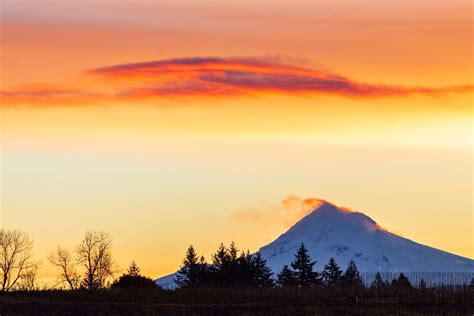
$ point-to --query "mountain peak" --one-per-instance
(331, 231)
(330, 212)
(327, 207)
(329, 217)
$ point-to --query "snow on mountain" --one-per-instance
(331, 231)
(167, 282)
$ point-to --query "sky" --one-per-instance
(170, 123)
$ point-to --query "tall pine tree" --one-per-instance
(233, 251)
(378, 283)
(193, 271)
(230, 269)
(303, 268)
(332, 273)
(242, 269)
(352, 276)
(262, 274)
(286, 277)
(221, 258)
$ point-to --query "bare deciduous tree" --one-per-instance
(95, 254)
(29, 280)
(64, 260)
(16, 260)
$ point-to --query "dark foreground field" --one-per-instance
(237, 302)
(45, 307)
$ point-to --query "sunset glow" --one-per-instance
(172, 123)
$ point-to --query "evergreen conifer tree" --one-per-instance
(303, 268)
(133, 269)
(242, 269)
(193, 270)
(230, 269)
(332, 273)
(233, 252)
(221, 258)
(402, 282)
(286, 277)
(262, 274)
(378, 283)
(352, 276)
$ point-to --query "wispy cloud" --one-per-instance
(212, 76)
(45, 95)
(291, 209)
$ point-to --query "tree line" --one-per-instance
(231, 268)
(90, 265)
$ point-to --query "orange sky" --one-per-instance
(178, 122)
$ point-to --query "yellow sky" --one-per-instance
(166, 121)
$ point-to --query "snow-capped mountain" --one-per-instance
(331, 231)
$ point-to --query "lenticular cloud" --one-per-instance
(204, 77)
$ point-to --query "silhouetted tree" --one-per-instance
(262, 274)
(242, 270)
(234, 268)
(193, 271)
(402, 282)
(133, 279)
(220, 269)
(29, 280)
(64, 260)
(233, 252)
(221, 258)
(133, 269)
(95, 254)
(229, 268)
(286, 277)
(332, 273)
(352, 276)
(378, 283)
(16, 259)
(303, 268)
